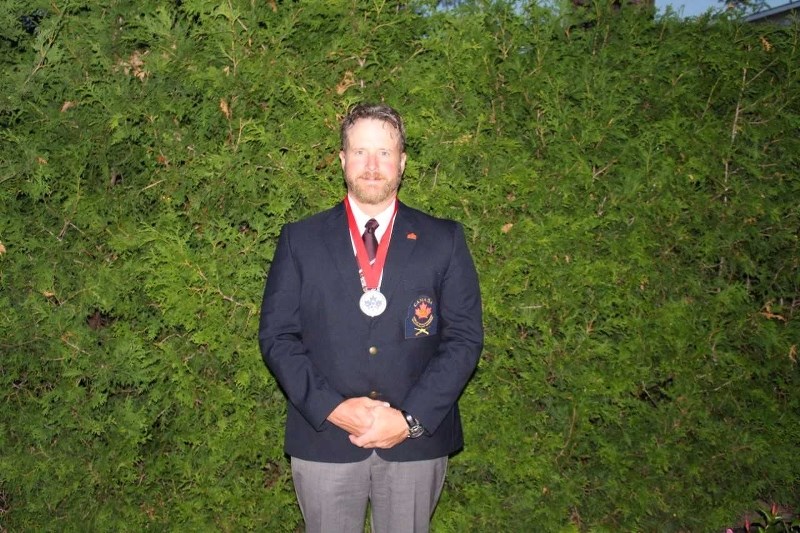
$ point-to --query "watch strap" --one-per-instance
(415, 429)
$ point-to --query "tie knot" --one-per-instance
(371, 225)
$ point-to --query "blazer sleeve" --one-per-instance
(281, 342)
(461, 328)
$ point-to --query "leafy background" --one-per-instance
(629, 189)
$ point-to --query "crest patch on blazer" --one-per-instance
(421, 320)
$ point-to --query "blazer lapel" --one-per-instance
(336, 236)
(400, 248)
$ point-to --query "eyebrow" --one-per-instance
(383, 149)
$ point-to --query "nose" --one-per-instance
(372, 161)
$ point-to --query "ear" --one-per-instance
(402, 163)
(342, 158)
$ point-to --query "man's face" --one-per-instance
(372, 162)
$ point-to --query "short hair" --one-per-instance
(380, 112)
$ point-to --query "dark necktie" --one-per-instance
(370, 241)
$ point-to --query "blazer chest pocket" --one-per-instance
(422, 312)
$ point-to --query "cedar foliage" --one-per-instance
(629, 190)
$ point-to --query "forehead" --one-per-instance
(374, 131)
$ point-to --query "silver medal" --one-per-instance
(372, 303)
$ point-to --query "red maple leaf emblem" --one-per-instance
(422, 311)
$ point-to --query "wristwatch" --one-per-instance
(415, 429)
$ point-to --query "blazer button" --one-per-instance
(373, 350)
(374, 395)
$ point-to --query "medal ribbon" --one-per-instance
(371, 273)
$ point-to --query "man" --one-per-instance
(372, 338)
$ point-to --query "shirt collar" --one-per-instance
(383, 218)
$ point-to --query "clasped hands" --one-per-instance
(370, 423)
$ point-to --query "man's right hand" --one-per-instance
(355, 415)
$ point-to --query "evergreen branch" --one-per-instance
(51, 39)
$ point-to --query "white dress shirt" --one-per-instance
(383, 218)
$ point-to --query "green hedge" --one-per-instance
(629, 189)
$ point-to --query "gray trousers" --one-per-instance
(333, 496)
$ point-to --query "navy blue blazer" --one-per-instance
(418, 355)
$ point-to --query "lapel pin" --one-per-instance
(412, 236)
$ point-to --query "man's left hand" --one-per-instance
(388, 429)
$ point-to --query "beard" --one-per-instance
(372, 188)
